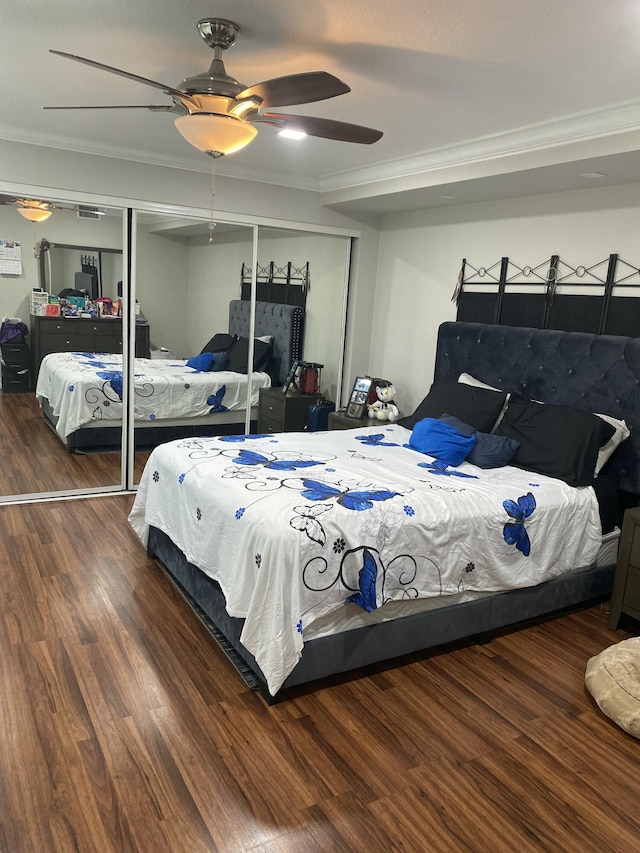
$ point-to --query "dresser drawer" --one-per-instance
(66, 343)
(107, 328)
(57, 326)
(632, 589)
(107, 344)
(272, 407)
(268, 426)
(634, 556)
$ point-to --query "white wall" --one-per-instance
(421, 255)
(214, 280)
(162, 273)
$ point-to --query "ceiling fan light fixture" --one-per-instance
(34, 214)
(215, 134)
(289, 133)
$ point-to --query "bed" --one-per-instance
(80, 394)
(380, 571)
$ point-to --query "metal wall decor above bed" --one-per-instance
(286, 284)
(600, 298)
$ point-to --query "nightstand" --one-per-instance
(338, 420)
(625, 597)
(278, 412)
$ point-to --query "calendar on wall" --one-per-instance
(10, 257)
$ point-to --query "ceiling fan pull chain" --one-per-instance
(212, 224)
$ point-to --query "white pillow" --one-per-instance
(468, 379)
(621, 433)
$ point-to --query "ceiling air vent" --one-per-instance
(87, 212)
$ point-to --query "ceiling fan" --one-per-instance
(219, 115)
(36, 210)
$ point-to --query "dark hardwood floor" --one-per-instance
(124, 728)
(34, 459)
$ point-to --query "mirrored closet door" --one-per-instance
(187, 274)
(63, 433)
(59, 295)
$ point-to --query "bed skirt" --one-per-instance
(350, 650)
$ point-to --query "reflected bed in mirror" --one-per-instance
(173, 398)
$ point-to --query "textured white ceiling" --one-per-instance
(464, 90)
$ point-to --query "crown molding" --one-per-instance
(596, 125)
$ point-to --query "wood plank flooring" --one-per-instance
(124, 728)
(34, 460)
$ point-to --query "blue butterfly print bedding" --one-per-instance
(301, 527)
(85, 387)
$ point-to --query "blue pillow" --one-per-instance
(441, 441)
(220, 361)
(491, 451)
(202, 362)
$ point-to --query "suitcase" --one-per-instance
(318, 415)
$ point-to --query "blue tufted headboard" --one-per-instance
(284, 322)
(597, 373)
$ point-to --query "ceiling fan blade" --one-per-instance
(168, 90)
(324, 127)
(296, 89)
(156, 108)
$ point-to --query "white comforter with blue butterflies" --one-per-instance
(295, 525)
(84, 387)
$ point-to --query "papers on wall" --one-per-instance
(10, 257)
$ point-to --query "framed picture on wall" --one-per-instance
(357, 404)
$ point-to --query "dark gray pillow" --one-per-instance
(220, 342)
(239, 355)
(490, 451)
(559, 441)
(478, 407)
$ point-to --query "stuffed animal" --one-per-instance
(384, 409)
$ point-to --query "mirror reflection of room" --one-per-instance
(40, 463)
(186, 283)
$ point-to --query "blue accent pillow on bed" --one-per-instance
(491, 451)
(209, 361)
(202, 363)
(442, 441)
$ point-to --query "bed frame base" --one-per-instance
(340, 653)
(106, 439)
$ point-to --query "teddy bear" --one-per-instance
(383, 409)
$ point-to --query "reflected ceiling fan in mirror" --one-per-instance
(36, 210)
(219, 115)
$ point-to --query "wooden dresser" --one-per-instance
(278, 412)
(625, 597)
(76, 334)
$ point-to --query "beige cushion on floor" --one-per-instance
(613, 679)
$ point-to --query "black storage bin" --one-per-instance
(15, 354)
(15, 379)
